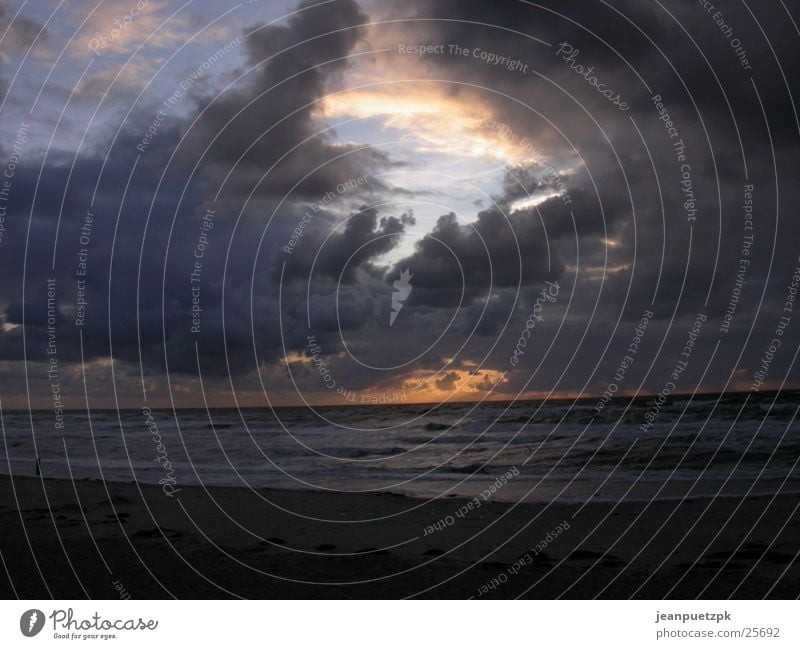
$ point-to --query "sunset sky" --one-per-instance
(492, 165)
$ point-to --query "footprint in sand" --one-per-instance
(326, 547)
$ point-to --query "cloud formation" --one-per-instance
(484, 179)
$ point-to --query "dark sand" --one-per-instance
(83, 537)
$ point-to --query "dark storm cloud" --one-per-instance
(150, 240)
(448, 381)
(627, 190)
(266, 125)
(621, 245)
(341, 253)
(496, 250)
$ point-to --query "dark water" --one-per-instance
(730, 444)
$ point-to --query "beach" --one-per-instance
(90, 539)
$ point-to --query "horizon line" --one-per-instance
(704, 393)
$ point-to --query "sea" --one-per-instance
(535, 451)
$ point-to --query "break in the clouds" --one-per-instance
(226, 198)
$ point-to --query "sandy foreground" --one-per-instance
(81, 539)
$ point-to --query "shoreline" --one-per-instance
(701, 489)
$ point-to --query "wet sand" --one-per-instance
(106, 540)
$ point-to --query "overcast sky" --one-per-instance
(209, 202)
